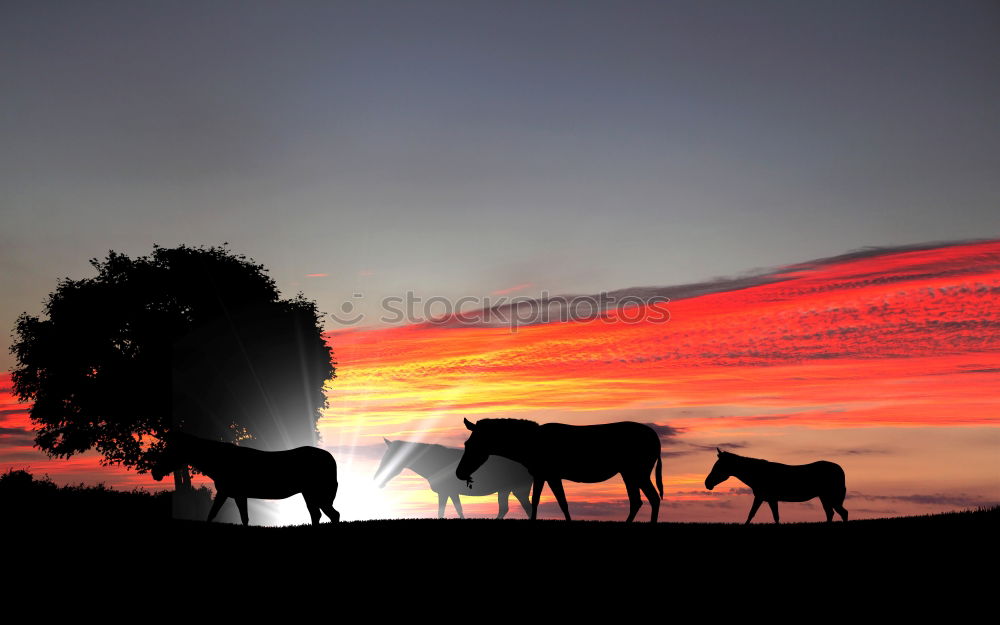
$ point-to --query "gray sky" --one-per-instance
(462, 148)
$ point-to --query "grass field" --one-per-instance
(46, 526)
(891, 565)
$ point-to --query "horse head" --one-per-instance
(167, 460)
(173, 455)
(721, 471)
(393, 462)
(477, 451)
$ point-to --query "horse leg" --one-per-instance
(557, 490)
(313, 505)
(330, 511)
(442, 502)
(522, 498)
(653, 497)
(241, 503)
(456, 500)
(838, 503)
(536, 496)
(828, 509)
(502, 496)
(842, 511)
(774, 509)
(326, 504)
(634, 500)
(753, 509)
(220, 498)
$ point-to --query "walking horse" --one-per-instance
(437, 464)
(241, 473)
(553, 452)
(773, 482)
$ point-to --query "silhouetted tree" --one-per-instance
(185, 339)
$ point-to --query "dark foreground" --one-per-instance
(930, 557)
(907, 546)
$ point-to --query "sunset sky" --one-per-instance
(706, 152)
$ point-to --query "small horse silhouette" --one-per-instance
(580, 453)
(437, 464)
(241, 473)
(773, 482)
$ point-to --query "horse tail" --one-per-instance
(659, 475)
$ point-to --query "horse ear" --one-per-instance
(719, 450)
(387, 441)
(470, 425)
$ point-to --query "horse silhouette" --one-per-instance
(773, 482)
(437, 464)
(580, 453)
(241, 473)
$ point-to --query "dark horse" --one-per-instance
(773, 482)
(437, 464)
(241, 472)
(580, 453)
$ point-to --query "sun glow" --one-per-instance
(897, 339)
(881, 362)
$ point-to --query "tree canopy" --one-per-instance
(189, 339)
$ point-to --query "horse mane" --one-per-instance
(747, 459)
(523, 425)
(511, 431)
(419, 444)
(424, 444)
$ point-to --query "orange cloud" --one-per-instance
(906, 338)
(853, 353)
(876, 340)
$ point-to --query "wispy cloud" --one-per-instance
(513, 289)
(862, 451)
(16, 437)
(960, 500)
(822, 343)
(666, 432)
(717, 446)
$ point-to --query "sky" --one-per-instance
(369, 150)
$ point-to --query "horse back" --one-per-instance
(276, 474)
(594, 453)
(620, 439)
(804, 481)
(826, 472)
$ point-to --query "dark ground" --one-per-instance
(886, 564)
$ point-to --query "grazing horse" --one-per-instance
(241, 472)
(437, 464)
(773, 482)
(580, 453)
